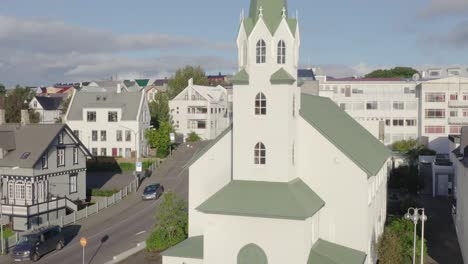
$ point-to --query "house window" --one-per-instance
(454, 113)
(128, 135)
(28, 191)
(119, 135)
(435, 113)
(260, 104)
(112, 116)
(60, 157)
(453, 97)
(91, 116)
(398, 122)
(94, 151)
(398, 105)
(261, 51)
(11, 190)
(45, 160)
(455, 129)
(103, 135)
(387, 122)
(434, 129)
(281, 52)
(73, 183)
(372, 105)
(410, 122)
(20, 190)
(103, 152)
(260, 153)
(60, 138)
(94, 135)
(435, 97)
(75, 155)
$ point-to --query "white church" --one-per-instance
(295, 180)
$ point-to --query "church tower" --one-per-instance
(266, 94)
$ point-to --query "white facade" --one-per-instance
(200, 109)
(46, 116)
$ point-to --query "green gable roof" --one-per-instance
(286, 200)
(142, 82)
(191, 247)
(345, 133)
(282, 77)
(272, 15)
(324, 252)
(241, 78)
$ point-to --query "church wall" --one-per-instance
(207, 175)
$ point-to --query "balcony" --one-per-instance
(458, 104)
(458, 120)
(40, 208)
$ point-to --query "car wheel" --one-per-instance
(59, 245)
(35, 257)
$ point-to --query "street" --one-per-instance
(122, 226)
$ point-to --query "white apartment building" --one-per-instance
(200, 109)
(110, 123)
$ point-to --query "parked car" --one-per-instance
(34, 245)
(152, 192)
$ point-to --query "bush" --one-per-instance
(389, 248)
(8, 232)
(404, 146)
(103, 193)
(193, 137)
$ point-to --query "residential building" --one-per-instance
(200, 109)
(42, 172)
(49, 107)
(294, 179)
(110, 123)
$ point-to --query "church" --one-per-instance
(294, 179)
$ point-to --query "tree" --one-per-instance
(160, 139)
(397, 72)
(389, 248)
(2, 89)
(405, 146)
(172, 223)
(193, 137)
(180, 81)
(159, 109)
(15, 101)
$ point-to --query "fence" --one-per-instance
(85, 212)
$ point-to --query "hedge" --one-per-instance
(103, 193)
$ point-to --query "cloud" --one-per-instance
(443, 8)
(456, 38)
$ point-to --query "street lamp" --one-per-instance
(2, 244)
(415, 215)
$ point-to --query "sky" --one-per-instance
(48, 41)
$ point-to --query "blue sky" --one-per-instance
(47, 41)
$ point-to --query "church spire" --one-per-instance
(271, 11)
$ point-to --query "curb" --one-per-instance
(124, 255)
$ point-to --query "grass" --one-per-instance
(126, 166)
(103, 193)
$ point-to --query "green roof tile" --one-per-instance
(191, 247)
(286, 200)
(325, 252)
(241, 78)
(345, 133)
(272, 15)
(282, 77)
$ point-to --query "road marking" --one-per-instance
(139, 233)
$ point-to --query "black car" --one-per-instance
(152, 192)
(38, 243)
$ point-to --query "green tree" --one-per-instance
(405, 146)
(397, 72)
(389, 248)
(180, 81)
(2, 89)
(160, 139)
(159, 109)
(15, 101)
(193, 137)
(171, 223)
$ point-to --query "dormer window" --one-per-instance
(91, 116)
(281, 56)
(45, 161)
(261, 51)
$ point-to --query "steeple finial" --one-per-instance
(261, 11)
(242, 15)
(284, 11)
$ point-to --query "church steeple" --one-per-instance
(271, 11)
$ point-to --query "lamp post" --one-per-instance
(415, 215)
(2, 244)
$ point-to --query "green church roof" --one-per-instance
(191, 247)
(272, 11)
(142, 82)
(282, 77)
(345, 133)
(285, 200)
(325, 252)
(241, 78)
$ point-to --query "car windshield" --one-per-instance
(151, 188)
(28, 239)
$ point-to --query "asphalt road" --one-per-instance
(122, 226)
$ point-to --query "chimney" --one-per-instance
(24, 117)
(464, 141)
(190, 82)
(119, 88)
(2, 110)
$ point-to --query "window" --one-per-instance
(398, 105)
(434, 73)
(398, 122)
(409, 90)
(60, 157)
(103, 135)
(94, 135)
(410, 122)
(11, 190)
(435, 113)
(45, 160)
(60, 138)
(75, 155)
(435, 97)
(94, 151)
(76, 133)
(28, 191)
(25, 155)
(465, 112)
(91, 116)
(20, 191)
(119, 135)
(454, 113)
(201, 124)
(435, 129)
(260, 153)
(103, 152)
(372, 105)
(112, 116)
(387, 122)
(73, 183)
(357, 91)
(260, 104)
(128, 135)
(281, 52)
(261, 51)
(453, 97)
(455, 129)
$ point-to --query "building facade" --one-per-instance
(294, 179)
(110, 124)
(200, 109)
(49, 107)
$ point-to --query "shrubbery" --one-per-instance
(193, 137)
(103, 193)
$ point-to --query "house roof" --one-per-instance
(345, 133)
(272, 15)
(287, 200)
(191, 247)
(305, 74)
(325, 252)
(282, 77)
(50, 102)
(241, 78)
(128, 102)
(142, 82)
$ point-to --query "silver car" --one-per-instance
(152, 192)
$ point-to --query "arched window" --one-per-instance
(260, 104)
(260, 153)
(281, 52)
(261, 51)
(252, 253)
